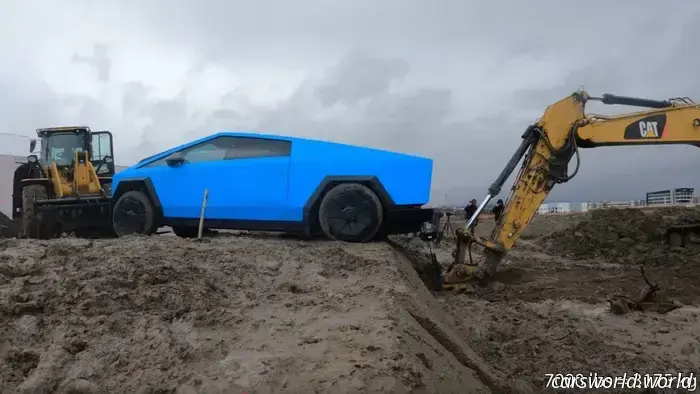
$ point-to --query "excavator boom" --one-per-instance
(546, 150)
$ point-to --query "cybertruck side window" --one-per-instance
(157, 163)
(227, 148)
(248, 147)
(208, 151)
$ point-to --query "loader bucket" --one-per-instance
(76, 213)
(8, 227)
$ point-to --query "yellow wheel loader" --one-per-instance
(66, 186)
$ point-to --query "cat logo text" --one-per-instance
(649, 128)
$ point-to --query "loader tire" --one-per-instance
(34, 224)
(351, 212)
(133, 213)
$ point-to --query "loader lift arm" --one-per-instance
(548, 146)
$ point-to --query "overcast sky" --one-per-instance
(454, 80)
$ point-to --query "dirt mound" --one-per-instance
(622, 235)
(162, 315)
(542, 314)
(546, 224)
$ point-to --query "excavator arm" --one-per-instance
(546, 150)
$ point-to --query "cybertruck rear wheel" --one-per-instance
(133, 213)
(351, 212)
(34, 224)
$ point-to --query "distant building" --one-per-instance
(670, 197)
(683, 196)
(638, 203)
(612, 204)
(554, 207)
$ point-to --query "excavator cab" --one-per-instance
(66, 186)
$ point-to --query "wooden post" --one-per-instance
(201, 215)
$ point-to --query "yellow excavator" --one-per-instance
(67, 186)
(546, 150)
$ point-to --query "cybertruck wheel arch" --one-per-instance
(313, 203)
(143, 185)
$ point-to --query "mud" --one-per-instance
(263, 314)
(624, 236)
(545, 313)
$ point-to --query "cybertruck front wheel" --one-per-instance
(351, 212)
(133, 213)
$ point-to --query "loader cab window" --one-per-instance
(61, 146)
(102, 156)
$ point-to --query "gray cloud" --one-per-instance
(99, 60)
(458, 82)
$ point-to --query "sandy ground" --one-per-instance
(545, 313)
(263, 314)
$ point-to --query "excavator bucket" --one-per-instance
(432, 234)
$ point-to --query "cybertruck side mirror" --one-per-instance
(175, 159)
(32, 146)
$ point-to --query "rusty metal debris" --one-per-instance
(645, 302)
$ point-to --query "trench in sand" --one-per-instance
(265, 314)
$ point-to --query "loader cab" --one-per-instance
(59, 145)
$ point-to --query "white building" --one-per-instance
(671, 196)
(553, 208)
(612, 204)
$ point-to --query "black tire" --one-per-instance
(133, 213)
(34, 224)
(186, 232)
(192, 232)
(341, 208)
(675, 239)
